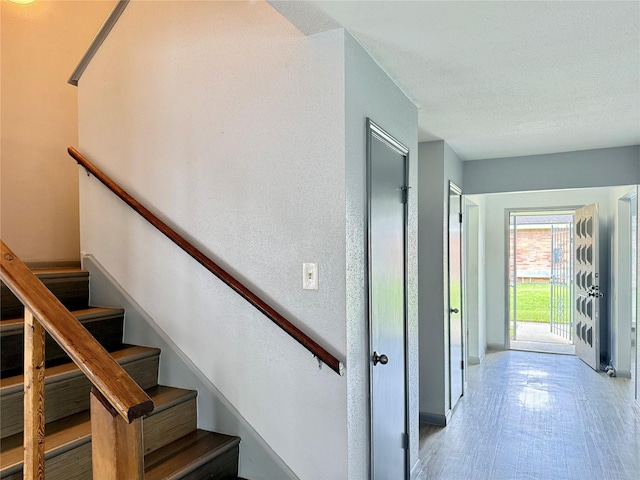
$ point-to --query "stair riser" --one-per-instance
(69, 396)
(158, 431)
(72, 465)
(223, 467)
(72, 291)
(107, 331)
(168, 426)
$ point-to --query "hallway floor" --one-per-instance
(537, 416)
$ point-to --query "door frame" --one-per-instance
(453, 188)
(372, 129)
(635, 374)
(471, 295)
(507, 240)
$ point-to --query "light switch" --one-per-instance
(310, 276)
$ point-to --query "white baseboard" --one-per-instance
(434, 418)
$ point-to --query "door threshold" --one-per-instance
(543, 347)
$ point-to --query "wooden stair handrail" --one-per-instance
(322, 354)
(118, 388)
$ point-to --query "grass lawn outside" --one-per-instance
(533, 302)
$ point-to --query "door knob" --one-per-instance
(455, 310)
(383, 359)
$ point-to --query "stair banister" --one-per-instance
(117, 401)
(318, 351)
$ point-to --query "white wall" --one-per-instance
(581, 169)
(371, 93)
(620, 286)
(474, 284)
(231, 123)
(439, 164)
(496, 244)
(41, 44)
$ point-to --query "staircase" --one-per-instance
(174, 447)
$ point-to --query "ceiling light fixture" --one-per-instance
(22, 2)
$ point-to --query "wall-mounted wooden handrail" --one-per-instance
(117, 387)
(301, 337)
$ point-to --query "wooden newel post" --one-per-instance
(116, 446)
(33, 397)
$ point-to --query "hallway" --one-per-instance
(537, 416)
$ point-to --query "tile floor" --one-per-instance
(537, 416)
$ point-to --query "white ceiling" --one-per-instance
(501, 79)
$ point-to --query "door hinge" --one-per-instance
(460, 217)
(462, 364)
(405, 194)
(405, 441)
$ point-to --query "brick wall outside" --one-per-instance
(534, 255)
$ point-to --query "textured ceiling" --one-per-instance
(501, 79)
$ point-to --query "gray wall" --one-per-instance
(439, 164)
(369, 92)
(587, 168)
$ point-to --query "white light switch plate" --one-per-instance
(310, 276)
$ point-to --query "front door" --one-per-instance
(387, 177)
(456, 331)
(587, 286)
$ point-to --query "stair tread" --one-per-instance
(59, 372)
(187, 454)
(11, 325)
(74, 430)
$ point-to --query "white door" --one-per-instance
(387, 163)
(456, 331)
(587, 287)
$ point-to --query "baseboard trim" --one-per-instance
(178, 370)
(474, 360)
(434, 418)
(621, 373)
(417, 472)
(498, 347)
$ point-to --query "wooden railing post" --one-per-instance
(33, 397)
(116, 446)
